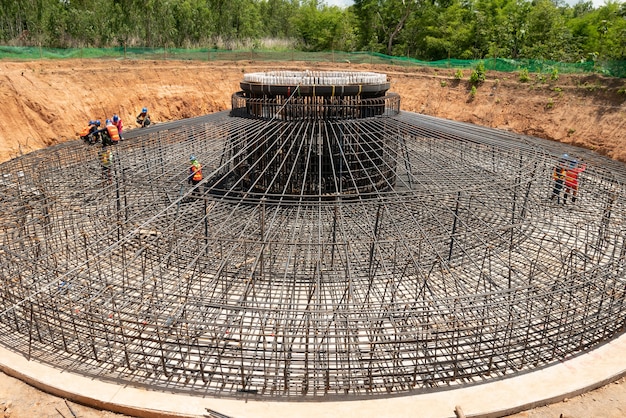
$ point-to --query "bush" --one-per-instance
(554, 75)
(478, 74)
(458, 74)
(524, 75)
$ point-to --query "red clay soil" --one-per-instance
(45, 102)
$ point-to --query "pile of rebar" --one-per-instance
(369, 255)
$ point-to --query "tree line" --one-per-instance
(422, 29)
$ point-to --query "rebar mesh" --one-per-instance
(426, 254)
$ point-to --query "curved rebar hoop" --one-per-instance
(368, 256)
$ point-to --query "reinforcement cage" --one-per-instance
(461, 270)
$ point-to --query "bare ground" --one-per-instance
(45, 102)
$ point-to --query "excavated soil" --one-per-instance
(46, 102)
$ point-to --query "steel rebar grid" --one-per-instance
(455, 270)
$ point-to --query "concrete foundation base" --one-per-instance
(495, 399)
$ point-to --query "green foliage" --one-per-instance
(474, 77)
(524, 76)
(277, 18)
(443, 83)
(425, 30)
(547, 34)
(554, 74)
(323, 28)
(440, 31)
(473, 92)
(383, 24)
(598, 32)
(478, 74)
(550, 103)
(458, 74)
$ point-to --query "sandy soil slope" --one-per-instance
(45, 102)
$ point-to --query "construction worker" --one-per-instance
(571, 179)
(110, 134)
(87, 130)
(106, 161)
(558, 176)
(117, 121)
(90, 133)
(195, 171)
(143, 119)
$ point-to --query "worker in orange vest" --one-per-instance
(571, 179)
(195, 171)
(111, 135)
(117, 121)
(89, 133)
(558, 176)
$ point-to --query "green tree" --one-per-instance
(28, 21)
(320, 27)
(193, 22)
(382, 22)
(365, 14)
(510, 29)
(611, 26)
(276, 17)
(392, 17)
(548, 37)
(424, 29)
(599, 32)
(54, 24)
(445, 32)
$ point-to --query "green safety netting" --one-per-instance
(609, 68)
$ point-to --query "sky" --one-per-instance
(340, 3)
(346, 3)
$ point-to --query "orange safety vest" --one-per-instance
(85, 131)
(196, 169)
(558, 173)
(113, 133)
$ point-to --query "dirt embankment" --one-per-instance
(45, 102)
